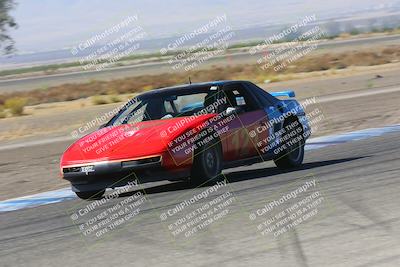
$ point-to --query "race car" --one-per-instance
(188, 133)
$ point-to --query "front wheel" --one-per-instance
(293, 154)
(90, 194)
(207, 164)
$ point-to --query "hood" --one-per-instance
(129, 140)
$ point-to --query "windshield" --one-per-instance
(165, 106)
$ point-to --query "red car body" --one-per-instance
(153, 150)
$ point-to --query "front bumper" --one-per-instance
(102, 175)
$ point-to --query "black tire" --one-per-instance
(293, 155)
(207, 164)
(91, 194)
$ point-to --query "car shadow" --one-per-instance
(237, 176)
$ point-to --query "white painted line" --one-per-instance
(349, 95)
(38, 142)
(37, 200)
(319, 142)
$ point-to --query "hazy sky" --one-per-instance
(54, 24)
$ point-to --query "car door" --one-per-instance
(274, 124)
(248, 124)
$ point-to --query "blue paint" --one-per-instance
(283, 93)
(319, 142)
(37, 200)
(312, 143)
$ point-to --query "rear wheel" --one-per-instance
(293, 155)
(207, 164)
(91, 194)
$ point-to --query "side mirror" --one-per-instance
(230, 110)
(237, 110)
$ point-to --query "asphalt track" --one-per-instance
(357, 223)
(30, 83)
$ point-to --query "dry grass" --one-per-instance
(3, 113)
(15, 105)
(253, 72)
(99, 100)
(114, 99)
